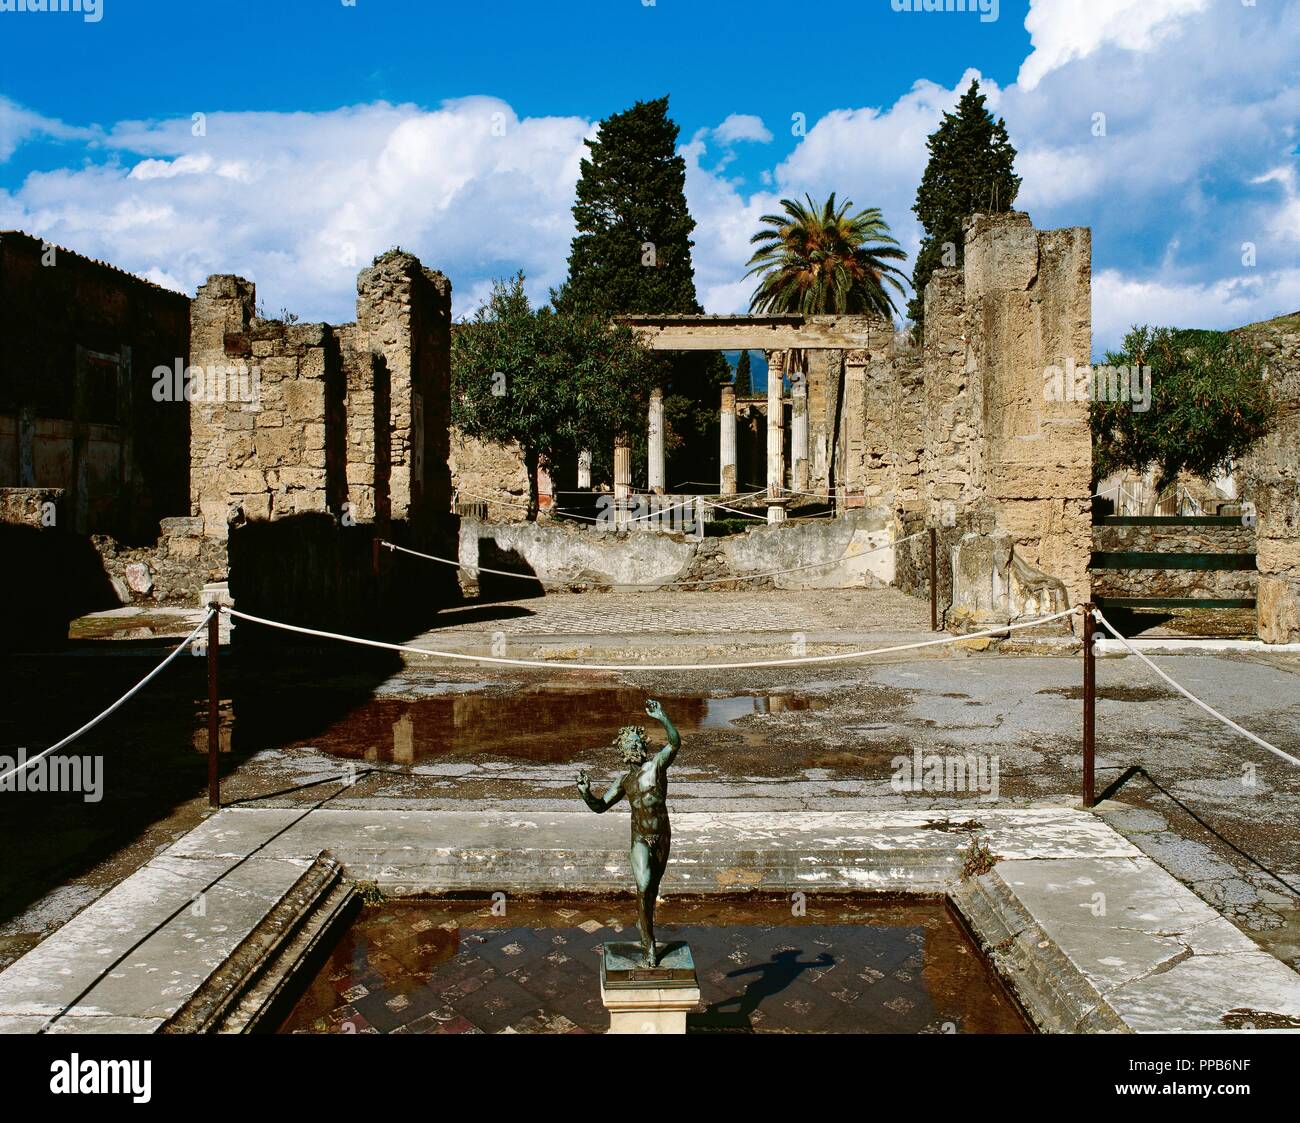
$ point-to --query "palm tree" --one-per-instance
(819, 260)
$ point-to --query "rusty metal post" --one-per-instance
(934, 582)
(1089, 708)
(214, 710)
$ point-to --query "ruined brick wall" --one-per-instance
(825, 374)
(279, 453)
(1270, 478)
(345, 440)
(952, 464)
(351, 421)
(1227, 537)
(1029, 308)
(368, 435)
(56, 571)
(171, 572)
(484, 472)
(79, 342)
(879, 462)
(404, 318)
(972, 445)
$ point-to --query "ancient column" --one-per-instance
(545, 487)
(655, 441)
(622, 476)
(776, 499)
(727, 426)
(799, 430)
(584, 469)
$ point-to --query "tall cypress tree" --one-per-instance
(632, 250)
(744, 385)
(632, 254)
(970, 172)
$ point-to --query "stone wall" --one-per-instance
(347, 441)
(350, 421)
(583, 558)
(1232, 537)
(267, 458)
(486, 473)
(172, 572)
(1028, 309)
(79, 343)
(1270, 479)
(961, 435)
(53, 572)
(404, 319)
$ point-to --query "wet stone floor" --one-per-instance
(543, 724)
(847, 965)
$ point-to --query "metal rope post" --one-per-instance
(1089, 708)
(934, 583)
(214, 714)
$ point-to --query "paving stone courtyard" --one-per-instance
(425, 733)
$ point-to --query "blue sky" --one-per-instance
(333, 131)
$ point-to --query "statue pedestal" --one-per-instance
(648, 999)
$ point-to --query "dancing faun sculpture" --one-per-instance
(646, 787)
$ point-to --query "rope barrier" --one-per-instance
(654, 584)
(556, 665)
(688, 502)
(1192, 697)
(732, 510)
(116, 705)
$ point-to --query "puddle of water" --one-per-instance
(547, 725)
(133, 626)
(850, 965)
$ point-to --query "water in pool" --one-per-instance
(848, 965)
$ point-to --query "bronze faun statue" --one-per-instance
(646, 788)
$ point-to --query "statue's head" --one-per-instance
(631, 744)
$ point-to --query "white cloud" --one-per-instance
(742, 126)
(1200, 102)
(1119, 302)
(298, 202)
(19, 125)
(1285, 223)
(1064, 30)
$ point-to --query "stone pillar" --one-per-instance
(221, 315)
(622, 471)
(26, 446)
(545, 487)
(404, 316)
(799, 430)
(1270, 481)
(584, 469)
(727, 425)
(655, 442)
(861, 416)
(776, 499)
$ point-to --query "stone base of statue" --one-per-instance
(648, 999)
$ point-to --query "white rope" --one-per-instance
(556, 665)
(688, 502)
(116, 705)
(654, 584)
(732, 510)
(525, 506)
(1192, 697)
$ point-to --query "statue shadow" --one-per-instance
(774, 976)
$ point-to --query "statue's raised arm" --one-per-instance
(668, 753)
